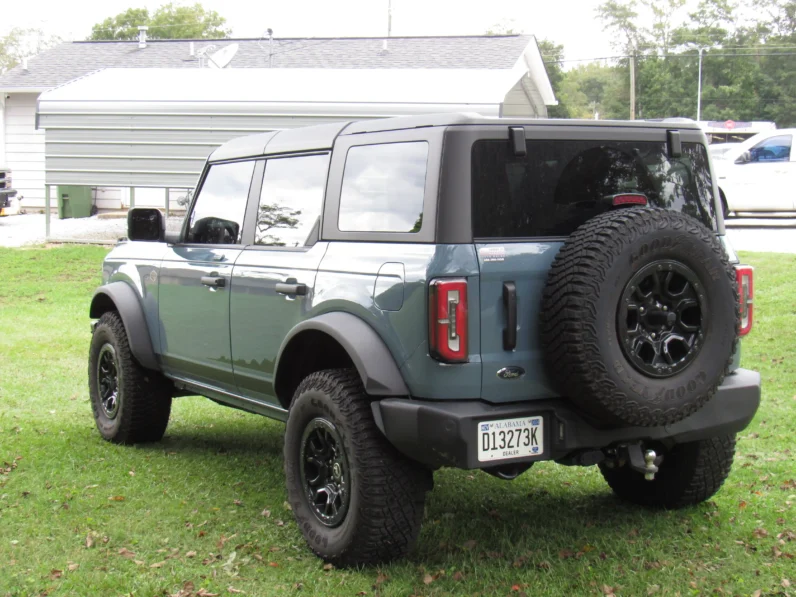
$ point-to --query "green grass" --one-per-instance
(79, 516)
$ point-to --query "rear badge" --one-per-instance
(511, 372)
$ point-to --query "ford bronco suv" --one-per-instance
(441, 291)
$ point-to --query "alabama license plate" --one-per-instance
(510, 438)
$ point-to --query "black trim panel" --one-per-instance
(127, 303)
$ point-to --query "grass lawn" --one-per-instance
(205, 509)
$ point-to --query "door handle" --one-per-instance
(214, 281)
(510, 304)
(291, 288)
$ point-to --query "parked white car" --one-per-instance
(758, 175)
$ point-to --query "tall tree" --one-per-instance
(169, 21)
(621, 19)
(20, 43)
(553, 55)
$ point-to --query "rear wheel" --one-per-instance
(356, 499)
(131, 404)
(689, 474)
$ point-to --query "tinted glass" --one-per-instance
(561, 184)
(217, 216)
(774, 149)
(383, 188)
(291, 200)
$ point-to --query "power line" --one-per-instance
(642, 57)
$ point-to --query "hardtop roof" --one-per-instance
(322, 137)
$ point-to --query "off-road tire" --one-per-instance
(144, 395)
(387, 490)
(579, 316)
(689, 474)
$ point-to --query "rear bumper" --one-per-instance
(444, 433)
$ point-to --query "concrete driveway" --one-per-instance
(766, 235)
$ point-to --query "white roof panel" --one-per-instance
(157, 85)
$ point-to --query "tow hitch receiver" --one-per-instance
(645, 462)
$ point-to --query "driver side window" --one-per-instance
(217, 216)
(773, 149)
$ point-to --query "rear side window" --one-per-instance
(291, 200)
(217, 216)
(560, 184)
(383, 188)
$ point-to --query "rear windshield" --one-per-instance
(561, 184)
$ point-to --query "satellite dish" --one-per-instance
(222, 58)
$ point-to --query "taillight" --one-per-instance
(447, 312)
(744, 274)
(627, 199)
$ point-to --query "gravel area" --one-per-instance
(28, 229)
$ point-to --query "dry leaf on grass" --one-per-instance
(55, 574)
(126, 553)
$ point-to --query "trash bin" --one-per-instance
(74, 202)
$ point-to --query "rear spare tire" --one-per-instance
(640, 316)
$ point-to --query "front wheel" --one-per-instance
(689, 474)
(131, 404)
(356, 499)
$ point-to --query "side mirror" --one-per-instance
(145, 224)
(744, 158)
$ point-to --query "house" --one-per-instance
(61, 121)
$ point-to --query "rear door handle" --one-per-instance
(214, 281)
(291, 288)
(510, 305)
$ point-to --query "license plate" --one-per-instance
(510, 438)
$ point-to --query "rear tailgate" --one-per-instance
(525, 206)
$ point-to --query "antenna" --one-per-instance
(222, 58)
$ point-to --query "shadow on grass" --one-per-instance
(540, 510)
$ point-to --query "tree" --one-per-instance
(553, 55)
(169, 21)
(274, 217)
(20, 43)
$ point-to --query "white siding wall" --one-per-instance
(24, 148)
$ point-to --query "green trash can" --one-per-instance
(74, 202)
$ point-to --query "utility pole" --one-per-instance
(699, 88)
(389, 18)
(633, 84)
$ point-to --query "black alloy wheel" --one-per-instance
(108, 380)
(325, 474)
(660, 318)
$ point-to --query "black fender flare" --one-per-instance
(119, 296)
(371, 357)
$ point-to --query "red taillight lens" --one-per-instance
(744, 275)
(629, 199)
(447, 312)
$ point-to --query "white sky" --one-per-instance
(571, 22)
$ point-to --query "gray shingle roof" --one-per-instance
(70, 60)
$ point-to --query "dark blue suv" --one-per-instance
(450, 290)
